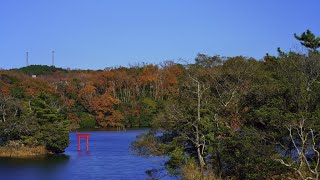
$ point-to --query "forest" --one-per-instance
(215, 118)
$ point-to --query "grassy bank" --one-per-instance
(22, 151)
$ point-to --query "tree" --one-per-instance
(184, 123)
(309, 40)
(207, 61)
(53, 130)
(102, 106)
(306, 147)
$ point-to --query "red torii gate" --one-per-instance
(86, 136)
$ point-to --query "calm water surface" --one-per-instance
(109, 157)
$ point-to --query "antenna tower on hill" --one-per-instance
(27, 58)
(52, 58)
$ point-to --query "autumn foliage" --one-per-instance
(115, 97)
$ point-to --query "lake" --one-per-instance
(108, 157)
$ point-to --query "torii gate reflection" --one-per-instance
(86, 136)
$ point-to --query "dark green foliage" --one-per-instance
(248, 154)
(55, 136)
(86, 120)
(39, 122)
(148, 112)
(39, 69)
(53, 132)
(148, 109)
(309, 40)
(20, 128)
(240, 122)
(176, 161)
(17, 93)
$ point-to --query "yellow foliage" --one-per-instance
(22, 151)
(191, 171)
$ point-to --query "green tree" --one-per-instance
(53, 131)
(309, 40)
(86, 120)
(148, 111)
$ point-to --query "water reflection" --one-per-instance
(46, 167)
(83, 153)
(47, 161)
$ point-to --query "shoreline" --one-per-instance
(23, 151)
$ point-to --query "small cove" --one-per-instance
(109, 157)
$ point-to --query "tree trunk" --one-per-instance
(200, 157)
(201, 160)
(3, 113)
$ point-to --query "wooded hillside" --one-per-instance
(216, 118)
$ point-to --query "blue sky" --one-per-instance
(94, 34)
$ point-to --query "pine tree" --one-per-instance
(309, 40)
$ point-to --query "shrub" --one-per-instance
(86, 120)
